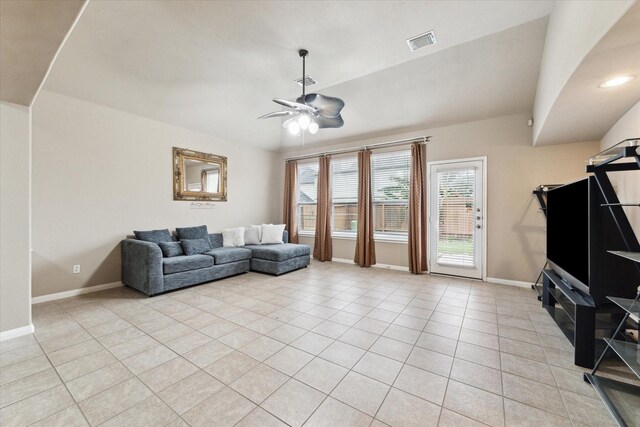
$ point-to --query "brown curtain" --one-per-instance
(322, 250)
(417, 211)
(365, 246)
(291, 199)
(203, 181)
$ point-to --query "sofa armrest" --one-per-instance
(285, 236)
(142, 266)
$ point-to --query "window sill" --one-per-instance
(352, 236)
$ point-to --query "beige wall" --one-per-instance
(515, 229)
(15, 274)
(626, 184)
(100, 173)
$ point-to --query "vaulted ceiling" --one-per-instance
(31, 32)
(215, 66)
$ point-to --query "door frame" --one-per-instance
(485, 209)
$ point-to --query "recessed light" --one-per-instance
(616, 81)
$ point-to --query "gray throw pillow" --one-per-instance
(171, 249)
(190, 233)
(195, 246)
(154, 236)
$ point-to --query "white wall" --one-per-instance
(100, 173)
(516, 235)
(626, 184)
(15, 176)
(574, 29)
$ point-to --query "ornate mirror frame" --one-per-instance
(180, 191)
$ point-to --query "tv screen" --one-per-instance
(568, 232)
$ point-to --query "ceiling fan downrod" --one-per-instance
(303, 54)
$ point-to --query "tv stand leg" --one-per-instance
(584, 338)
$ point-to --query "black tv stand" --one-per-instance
(576, 316)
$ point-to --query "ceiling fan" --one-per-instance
(311, 111)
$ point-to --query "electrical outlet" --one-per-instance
(76, 269)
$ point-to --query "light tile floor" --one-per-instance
(330, 345)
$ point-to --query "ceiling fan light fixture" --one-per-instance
(313, 128)
(304, 121)
(294, 127)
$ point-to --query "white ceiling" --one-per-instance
(215, 66)
(585, 112)
(31, 32)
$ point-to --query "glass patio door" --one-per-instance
(457, 218)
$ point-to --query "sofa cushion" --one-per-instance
(186, 263)
(216, 240)
(227, 255)
(190, 233)
(154, 236)
(171, 249)
(195, 246)
(279, 252)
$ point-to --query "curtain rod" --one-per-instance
(420, 140)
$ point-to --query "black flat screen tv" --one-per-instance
(579, 233)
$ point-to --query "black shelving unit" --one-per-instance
(620, 397)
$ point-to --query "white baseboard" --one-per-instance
(507, 282)
(387, 266)
(17, 332)
(74, 292)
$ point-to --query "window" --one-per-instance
(390, 187)
(344, 191)
(307, 196)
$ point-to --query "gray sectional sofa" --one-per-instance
(145, 268)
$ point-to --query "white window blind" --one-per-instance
(456, 217)
(307, 195)
(390, 182)
(344, 192)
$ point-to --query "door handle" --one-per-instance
(478, 226)
(478, 218)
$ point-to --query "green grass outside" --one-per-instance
(457, 246)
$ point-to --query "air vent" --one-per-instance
(308, 81)
(422, 40)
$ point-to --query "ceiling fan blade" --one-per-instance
(327, 106)
(291, 104)
(329, 122)
(277, 114)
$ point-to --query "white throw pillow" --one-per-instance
(232, 237)
(252, 235)
(259, 228)
(272, 233)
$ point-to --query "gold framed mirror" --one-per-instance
(199, 176)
